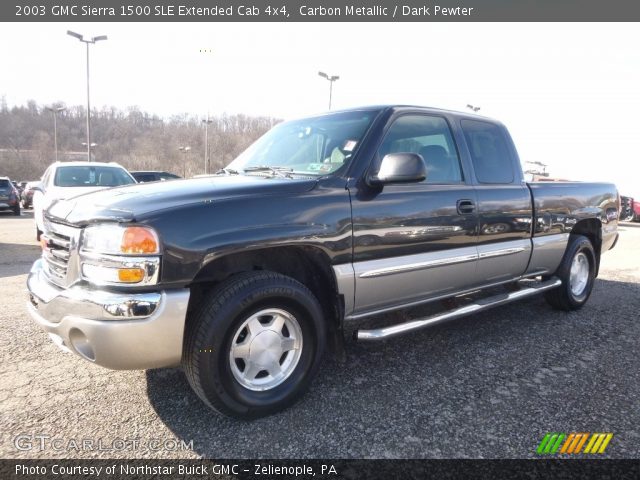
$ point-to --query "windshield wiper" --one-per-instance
(227, 171)
(275, 170)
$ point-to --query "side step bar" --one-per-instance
(477, 306)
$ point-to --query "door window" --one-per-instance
(429, 137)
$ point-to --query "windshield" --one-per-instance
(312, 146)
(90, 176)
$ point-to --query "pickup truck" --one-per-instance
(244, 277)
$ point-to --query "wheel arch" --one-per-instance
(592, 229)
(308, 265)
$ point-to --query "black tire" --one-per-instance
(564, 297)
(208, 342)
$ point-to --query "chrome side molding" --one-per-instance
(419, 266)
(477, 306)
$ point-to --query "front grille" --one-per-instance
(58, 241)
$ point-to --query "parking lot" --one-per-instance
(488, 386)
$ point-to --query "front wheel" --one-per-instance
(255, 346)
(577, 272)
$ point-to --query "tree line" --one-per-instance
(136, 139)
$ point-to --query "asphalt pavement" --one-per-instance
(487, 386)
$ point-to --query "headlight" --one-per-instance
(117, 239)
(112, 254)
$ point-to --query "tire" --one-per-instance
(575, 289)
(228, 375)
(16, 210)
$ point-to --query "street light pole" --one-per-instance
(184, 150)
(331, 78)
(55, 111)
(206, 122)
(87, 42)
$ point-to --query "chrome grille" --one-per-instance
(58, 242)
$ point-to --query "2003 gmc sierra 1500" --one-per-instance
(245, 276)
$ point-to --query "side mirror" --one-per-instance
(399, 168)
(37, 188)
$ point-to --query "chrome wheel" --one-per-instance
(579, 274)
(265, 350)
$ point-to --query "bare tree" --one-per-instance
(136, 139)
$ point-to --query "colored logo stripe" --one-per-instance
(573, 443)
(598, 442)
(550, 443)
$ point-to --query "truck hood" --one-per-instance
(132, 202)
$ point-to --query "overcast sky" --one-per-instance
(569, 93)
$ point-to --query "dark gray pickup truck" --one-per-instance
(244, 277)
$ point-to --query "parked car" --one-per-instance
(9, 197)
(626, 209)
(636, 210)
(27, 194)
(17, 186)
(64, 180)
(244, 277)
(153, 176)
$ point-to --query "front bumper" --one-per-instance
(122, 331)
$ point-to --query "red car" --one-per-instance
(636, 211)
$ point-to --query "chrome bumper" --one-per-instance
(115, 330)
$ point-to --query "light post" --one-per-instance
(471, 107)
(87, 43)
(331, 78)
(184, 150)
(206, 122)
(55, 111)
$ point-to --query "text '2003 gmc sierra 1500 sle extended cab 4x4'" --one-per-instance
(244, 277)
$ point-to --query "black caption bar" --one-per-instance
(319, 11)
(318, 469)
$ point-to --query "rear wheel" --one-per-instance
(255, 345)
(577, 272)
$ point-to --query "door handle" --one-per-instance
(465, 207)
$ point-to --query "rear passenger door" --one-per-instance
(504, 202)
(417, 241)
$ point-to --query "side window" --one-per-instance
(429, 137)
(489, 152)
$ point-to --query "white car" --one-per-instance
(63, 180)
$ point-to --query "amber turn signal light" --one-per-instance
(139, 240)
(130, 275)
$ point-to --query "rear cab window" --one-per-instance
(489, 151)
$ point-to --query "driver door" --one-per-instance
(415, 242)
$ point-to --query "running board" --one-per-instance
(477, 306)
